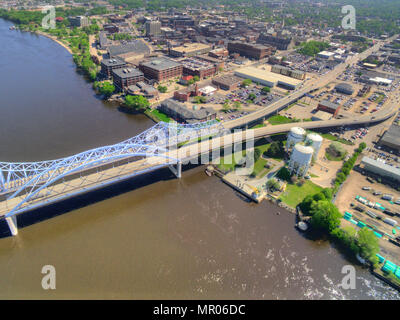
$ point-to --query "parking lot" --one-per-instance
(352, 187)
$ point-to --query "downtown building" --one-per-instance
(253, 51)
(125, 77)
(153, 28)
(161, 69)
(279, 42)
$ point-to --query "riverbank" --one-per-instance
(55, 39)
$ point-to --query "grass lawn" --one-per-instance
(332, 158)
(259, 168)
(230, 161)
(278, 119)
(294, 194)
(333, 138)
(157, 115)
(261, 125)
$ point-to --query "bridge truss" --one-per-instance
(25, 186)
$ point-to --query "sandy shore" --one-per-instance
(54, 39)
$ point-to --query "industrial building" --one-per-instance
(181, 113)
(142, 89)
(161, 69)
(380, 168)
(108, 65)
(189, 50)
(125, 77)
(391, 138)
(344, 88)
(268, 78)
(297, 74)
(253, 51)
(329, 107)
(325, 55)
(279, 42)
(134, 48)
(227, 82)
(321, 116)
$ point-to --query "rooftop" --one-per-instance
(392, 135)
(227, 79)
(161, 64)
(393, 171)
(267, 75)
(186, 113)
(113, 62)
(329, 104)
(127, 72)
(191, 47)
(136, 46)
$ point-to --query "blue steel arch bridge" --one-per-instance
(29, 185)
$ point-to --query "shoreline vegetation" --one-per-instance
(76, 42)
(324, 216)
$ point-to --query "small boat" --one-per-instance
(302, 226)
(12, 28)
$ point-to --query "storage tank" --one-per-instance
(315, 141)
(296, 135)
(300, 159)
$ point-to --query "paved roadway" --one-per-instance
(313, 85)
(190, 151)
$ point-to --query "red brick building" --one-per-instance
(125, 77)
(329, 107)
(161, 69)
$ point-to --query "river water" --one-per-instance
(154, 237)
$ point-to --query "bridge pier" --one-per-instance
(12, 224)
(178, 170)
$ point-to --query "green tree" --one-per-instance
(226, 106)
(252, 96)
(246, 82)
(162, 89)
(273, 184)
(196, 78)
(368, 244)
(137, 102)
(325, 215)
(265, 90)
(237, 105)
(106, 89)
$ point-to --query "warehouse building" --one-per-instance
(328, 106)
(380, 168)
(190, 49)
(391, 138)
(344, 88)
(227, 82)
(180, 113)
(321, 116)
(279, 42)
(325, 55)
(136, 48)
(297, 74)
(268, 78)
